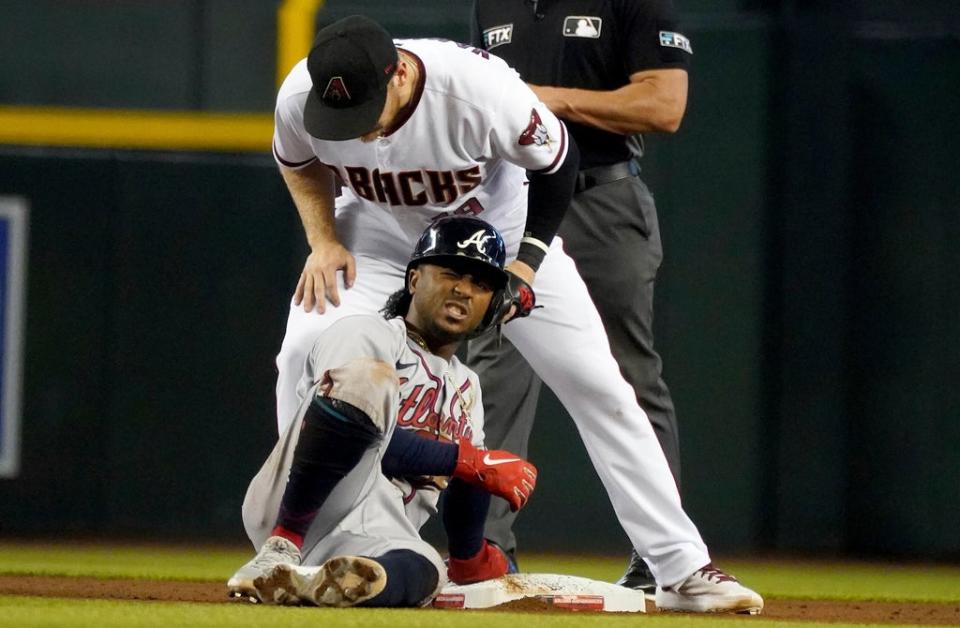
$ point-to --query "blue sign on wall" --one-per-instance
(13, 277)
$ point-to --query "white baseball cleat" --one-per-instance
(709, 590)
(276, 550)
(341, 581)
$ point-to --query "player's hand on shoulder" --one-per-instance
(318, 281)
(499, 472)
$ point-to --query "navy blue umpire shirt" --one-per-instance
(589, 44)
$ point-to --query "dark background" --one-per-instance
(808, 307)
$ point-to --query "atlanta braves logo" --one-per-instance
(336, 91)
(536, 132)
(478, 240)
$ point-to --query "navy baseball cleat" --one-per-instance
(638, 576)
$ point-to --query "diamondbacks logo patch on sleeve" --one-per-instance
(536, 132)
(497, 36)
(582, 26)
(675, 40)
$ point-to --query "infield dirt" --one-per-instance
(932, 614)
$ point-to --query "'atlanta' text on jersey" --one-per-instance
(418, 412)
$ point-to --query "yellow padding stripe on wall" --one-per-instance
(166, 130)
(295, 33)
(121, 128)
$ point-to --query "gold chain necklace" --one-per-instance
(417, 338)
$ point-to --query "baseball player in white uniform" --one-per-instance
(412, 130)
(387, 396)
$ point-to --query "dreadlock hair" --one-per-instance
(397, 304)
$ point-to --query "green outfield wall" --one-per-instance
(808, 311)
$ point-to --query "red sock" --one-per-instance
(291, 536)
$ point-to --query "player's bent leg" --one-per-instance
(578, 366)
(510, 392)
(267, 491)
(333, 438)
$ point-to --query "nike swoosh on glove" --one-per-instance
(499, 472)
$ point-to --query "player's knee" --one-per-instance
(366, 383)
(382, 375)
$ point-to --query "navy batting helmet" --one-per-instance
(470, 244)
(463, 240)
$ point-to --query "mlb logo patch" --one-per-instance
(675, 40)
(582, 26)
(497, 36)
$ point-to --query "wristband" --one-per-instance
(532, 251)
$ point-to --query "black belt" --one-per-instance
(592, 177)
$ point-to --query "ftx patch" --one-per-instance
(497, 36)
(675, 40)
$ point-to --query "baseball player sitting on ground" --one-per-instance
(321, 499)
(413, 130)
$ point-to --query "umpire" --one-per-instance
(611, 70)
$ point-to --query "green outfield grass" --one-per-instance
(809, 580)
(29, 611)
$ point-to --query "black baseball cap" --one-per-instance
(350, 64)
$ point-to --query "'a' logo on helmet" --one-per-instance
(336, 91)
(478, 239)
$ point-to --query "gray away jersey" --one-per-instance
(438, 399)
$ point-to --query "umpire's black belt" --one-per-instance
(598, 175)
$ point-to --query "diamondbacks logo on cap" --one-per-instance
(336, 91)
(536, 132)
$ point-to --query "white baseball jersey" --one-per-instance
(368, 514)
(471, 130)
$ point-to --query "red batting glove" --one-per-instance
(499, 472)
(488, 563)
